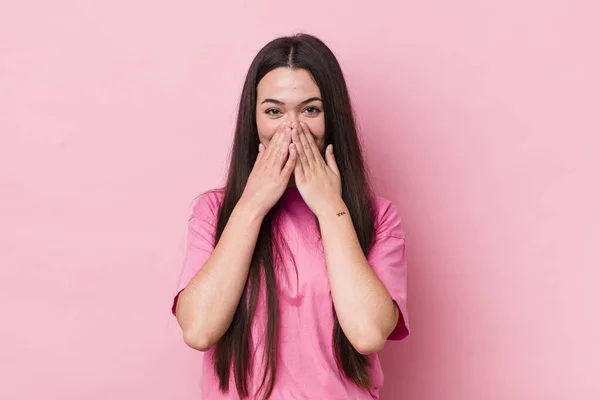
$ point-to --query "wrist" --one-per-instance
(249, 210)
(332, 208)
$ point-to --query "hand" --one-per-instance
(319, 182)
(271, 172)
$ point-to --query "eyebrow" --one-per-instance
(282, 103)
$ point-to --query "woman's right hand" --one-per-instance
(271, 172)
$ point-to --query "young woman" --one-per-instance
(295, 274)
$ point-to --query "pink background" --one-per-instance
(480, 120)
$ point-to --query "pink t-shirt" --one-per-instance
(306, 366)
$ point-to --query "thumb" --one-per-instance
(331, 160)
(261, 151)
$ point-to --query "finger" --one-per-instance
(284, 144)
(261, 151)
(331, 163)
(291, 163)
(299, 175)
(311, 142)
(272, 147)
(299, 148)
(309, 156)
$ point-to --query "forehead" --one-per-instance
(286, 84)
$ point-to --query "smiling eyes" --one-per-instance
(310, 111)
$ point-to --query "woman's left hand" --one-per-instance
(318, 181)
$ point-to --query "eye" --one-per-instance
(273, 112)
(312, 110)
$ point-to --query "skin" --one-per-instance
(207, 304)
(366, 312)
(286, 95)
(291, 128)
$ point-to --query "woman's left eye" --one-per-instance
(312, 110)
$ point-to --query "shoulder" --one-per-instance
(387, 218)
(207, 204)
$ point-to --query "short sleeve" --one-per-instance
(200, 240)
(387, 257)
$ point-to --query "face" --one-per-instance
(286, 94)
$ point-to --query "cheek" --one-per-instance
(317, 128)
(266, 128)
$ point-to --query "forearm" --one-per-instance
(365, 310)
(206, 307)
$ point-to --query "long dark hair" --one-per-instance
(300, 51)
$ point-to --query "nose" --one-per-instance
(294, 117)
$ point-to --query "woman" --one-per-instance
(295, 273)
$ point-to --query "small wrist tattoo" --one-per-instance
(341, 213)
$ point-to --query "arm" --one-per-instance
(365, 309)
(207, 305)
